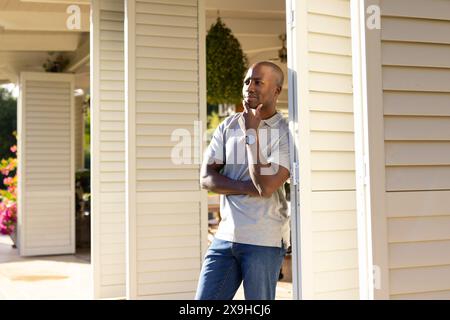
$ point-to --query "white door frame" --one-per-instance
(294, 152)
(362, 167)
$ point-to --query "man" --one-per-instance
(247, 162)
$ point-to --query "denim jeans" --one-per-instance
(227, 264)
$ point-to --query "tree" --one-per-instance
(8, 123)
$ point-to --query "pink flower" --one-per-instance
(8, 205)
(3, 230)
(8, 216)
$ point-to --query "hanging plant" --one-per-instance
(226, 64)
(57, 64)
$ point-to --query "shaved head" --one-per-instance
(276, 70)
(262, 85)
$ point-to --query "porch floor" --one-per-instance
(63, 277)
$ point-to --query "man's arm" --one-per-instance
(267, 177)
(212, 180)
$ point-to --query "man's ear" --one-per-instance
(278, 90)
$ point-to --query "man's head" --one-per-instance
(263, 83)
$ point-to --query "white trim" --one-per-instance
(130, 149)
(82, 2)
(299, 70)
(203, 120)
(364, 227)
(372, 227)
(49, 76)
(72, 160)
(375, 129)
(293, 151)
(95, 150)
(20, 163)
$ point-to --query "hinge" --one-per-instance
(366, 170)
(376, 277)
(295, 174)
(291, 18)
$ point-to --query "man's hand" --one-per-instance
(252, 117)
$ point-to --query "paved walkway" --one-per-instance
(284, 292)
(63, 277)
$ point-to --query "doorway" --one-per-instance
(262, 36)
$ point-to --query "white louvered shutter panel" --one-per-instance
(108, 149)
(46, 169)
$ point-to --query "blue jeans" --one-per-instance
(227, 264)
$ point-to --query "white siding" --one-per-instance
(108, 149)
(166, 208)
(415, 45)
(327, 165)
(408, 73)
(46, 167)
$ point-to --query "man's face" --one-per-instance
(260, 86)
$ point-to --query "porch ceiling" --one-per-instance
(29, 29)
(257, 24)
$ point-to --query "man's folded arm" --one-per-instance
(212, 180)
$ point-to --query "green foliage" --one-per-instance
(226, 64)
(213, 120)
(82, 177)
(8, 123)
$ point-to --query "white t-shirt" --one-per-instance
(245, 219)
